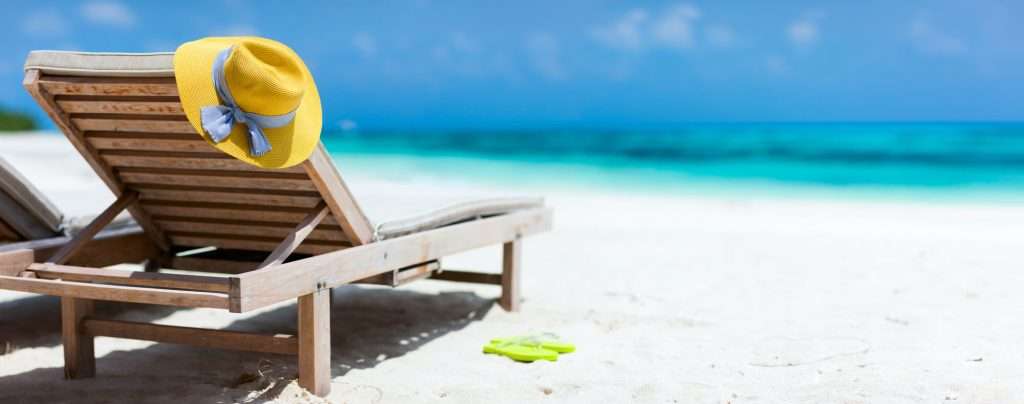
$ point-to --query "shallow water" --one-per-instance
(934, 160)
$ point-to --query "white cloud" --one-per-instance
(545, 56)
(720, 36)
(365, 43)
(463, 54)
(109, 13)
(458, 44)
(626, 32)
(45, 23)
(803, 32)
(674, 28)
(929, 39)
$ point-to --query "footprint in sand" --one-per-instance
(786, 351)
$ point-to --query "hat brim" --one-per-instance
(290, 144)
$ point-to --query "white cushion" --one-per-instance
(102, 64)
(399, 216)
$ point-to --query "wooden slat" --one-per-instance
(132, 278)
(213, 265)
(271, 285)
(297, 235)
(86, 234)
(179, 142)
(110, 86)
(245, 244)
(240, 176)
(257, 229)
(138, 176)
(343, 205)
(238, 196)
(164, 210)
(130, 294)
(101, 106)
(33, 84)
(102, 124)
(467, 277)
(219, 339)
(187, 162)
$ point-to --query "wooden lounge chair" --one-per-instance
(280, 234)
(28, 220)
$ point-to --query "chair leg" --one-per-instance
(79, 354)
(510, 269)
(315, 342)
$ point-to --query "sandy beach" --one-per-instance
(668, 299)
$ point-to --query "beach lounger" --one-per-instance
(28, 220)
(283, 234)
(25, 213)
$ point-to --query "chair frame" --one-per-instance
(47, 269)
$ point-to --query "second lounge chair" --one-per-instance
(28, 220)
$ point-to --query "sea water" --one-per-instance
(915, 160)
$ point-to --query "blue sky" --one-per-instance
(526, 64)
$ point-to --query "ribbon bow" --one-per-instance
(218, 120)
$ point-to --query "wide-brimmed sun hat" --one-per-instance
(252, 98)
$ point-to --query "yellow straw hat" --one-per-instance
(250, 97)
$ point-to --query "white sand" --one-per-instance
(668, 299)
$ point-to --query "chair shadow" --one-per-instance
(34, 321)
(370, 325)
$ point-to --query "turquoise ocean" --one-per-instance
(941, 161)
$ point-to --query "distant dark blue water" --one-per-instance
(940, 157)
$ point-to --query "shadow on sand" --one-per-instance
(369, 325)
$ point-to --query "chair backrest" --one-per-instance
(25, 213)
(122, 113)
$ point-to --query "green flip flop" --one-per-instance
(521, 353)
(530, 348)
(547, 341)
